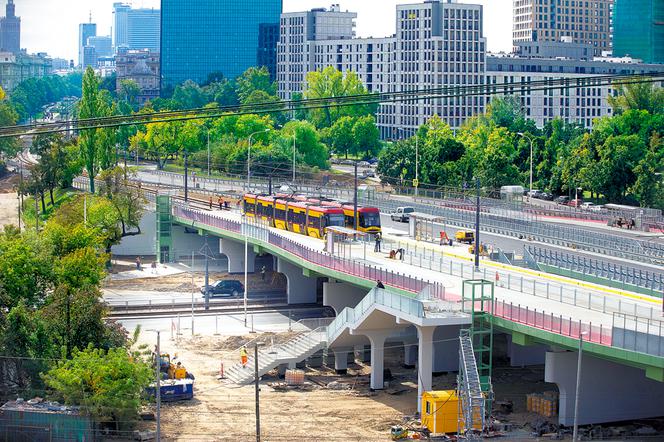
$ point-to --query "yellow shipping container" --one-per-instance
(440, 411)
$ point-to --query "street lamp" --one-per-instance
(294, 150)
(416, 182)
(530, 139)
(246, 238)
(575, 434)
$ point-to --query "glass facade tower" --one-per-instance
(200, 37)
(638, 29)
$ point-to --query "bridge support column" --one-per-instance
(446, 349)
(609, 392)
(340, 295)
(235, 252)
(341, 361)
(410, 354)
(377, 339)
(424, 362)
(300, 289)
(523, 355)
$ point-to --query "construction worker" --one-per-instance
(243, 357)
(138, 263)
(210, 203)
(221, 203)
(263, 273)
(378, 239)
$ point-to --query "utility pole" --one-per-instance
(193, 289)
(207, 273)
(158, 387)
(575, 434)
(417, 164)
(294, 150)
(477, 227)
(258, 408)
(186, 188)
(36, 214)
(355, 222)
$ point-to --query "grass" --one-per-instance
(60, 197)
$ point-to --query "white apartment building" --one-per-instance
(437, 44)
(440, 44)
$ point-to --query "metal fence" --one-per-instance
(570, 294)
(317, 257)
(638, 334)
(601, 269)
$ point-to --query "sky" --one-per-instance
(52, 25)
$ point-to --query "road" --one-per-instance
(226, 324)
(130, 298)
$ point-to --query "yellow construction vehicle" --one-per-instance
(173, 370)
(483, 250)
(465, 236)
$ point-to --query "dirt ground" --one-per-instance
(8, 201)
(222, 411)
(182, 282)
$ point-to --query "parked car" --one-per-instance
(402, 214)
(373, 161)
(368, 173)
(537, 194)
(587, 206)
(562, 200)
(575, 203)
(547, 196)
(224, 288)
(363, 164)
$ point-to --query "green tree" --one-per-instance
(8, 117)
(108, 385)
(341, 136)
(255, 79)
(638, 96)
(190, 95)
(331, 83)
(129, 201)
(309, 149)
(366, 136)
(396, 163)
(90, 106)
(129, 91)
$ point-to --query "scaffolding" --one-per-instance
(475, 353)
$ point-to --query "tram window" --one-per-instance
(280, 214)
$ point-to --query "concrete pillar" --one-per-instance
(363, 353)
(315, 360)
(300, 289)
(341, 361)
(446, 349)
(235, 252)
(410, 354)
(609, 392)
(340, 295)
(521, 356)
(377, 340)
(424, 362)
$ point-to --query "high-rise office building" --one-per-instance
(582, 21)
(85, 31)
(638, 29)
(10, 30)
(120, 11)
(136, 28)
(202, 37)
(103, 45)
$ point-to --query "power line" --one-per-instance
(449, 92)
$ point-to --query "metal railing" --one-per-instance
(553, 323)
(428, 258)
(317, 257)
(600, 269)
(638, 334)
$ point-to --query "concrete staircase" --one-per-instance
(298, 349)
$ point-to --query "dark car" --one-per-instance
(562, 200)
(226, 288)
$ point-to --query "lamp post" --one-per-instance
(575, 434)
(246, 238)
(530, 139)
(294, 151)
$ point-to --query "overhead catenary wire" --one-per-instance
(416, 95)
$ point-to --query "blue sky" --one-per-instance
(52, 25)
